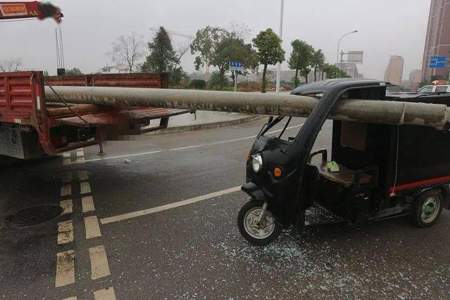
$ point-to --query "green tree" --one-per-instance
(334, 72)
(318, 61)
(205, 44)
(216, 47)
(217, 82)
(162, 57)
(301, 59)
(269, 51)
(178, 77)
(232, 48)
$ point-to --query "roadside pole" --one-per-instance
(281, 37)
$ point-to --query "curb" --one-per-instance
(185, 128)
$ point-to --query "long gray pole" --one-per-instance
(367, 111)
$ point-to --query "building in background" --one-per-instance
(351, 69)
(394, 71)
(415, 78)
(437, 42)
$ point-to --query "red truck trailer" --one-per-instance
(31, 128)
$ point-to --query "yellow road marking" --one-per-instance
(105, 294)
(87, 204)
(65, 232)
(99, 262)
(66, 190)
(67, 206)
(67, 178)
(65, 268)
(85, 188)
(83, 175)
(92, 227)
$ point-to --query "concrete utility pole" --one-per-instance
(281, 37)
(366, 111)
(339, 46)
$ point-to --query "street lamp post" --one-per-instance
(339, 45)
(281, 37)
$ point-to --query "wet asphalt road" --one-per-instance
(195, 251)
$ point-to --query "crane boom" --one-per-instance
(34, 9)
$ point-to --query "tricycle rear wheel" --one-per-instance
(256, 230)
(427, 208)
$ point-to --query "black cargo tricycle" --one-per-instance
(374, 172)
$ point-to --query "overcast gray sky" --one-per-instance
(386, 27)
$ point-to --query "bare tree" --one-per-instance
(10, 65)
(128, 50)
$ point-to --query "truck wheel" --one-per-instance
(427, 208)
(258, 233)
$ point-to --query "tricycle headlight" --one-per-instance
(257, 163)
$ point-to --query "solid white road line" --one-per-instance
(87, 204)
(230, 141)
(189, 147)
(213, 144)
(99, 262)
(92, 227)
(105, 294)
(169, 206)
(65, 232)
(70, 298)
(124, 156)
(85, 188)
(67, 206)
(66, 190)
(65, 268)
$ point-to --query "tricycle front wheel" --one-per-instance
(257, 224)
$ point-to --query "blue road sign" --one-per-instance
(438, 62)
(236, 66)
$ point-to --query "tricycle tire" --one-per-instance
(427, 208)
(252, 207)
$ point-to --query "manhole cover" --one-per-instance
(35, 215)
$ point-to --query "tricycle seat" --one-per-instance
(345, 176)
